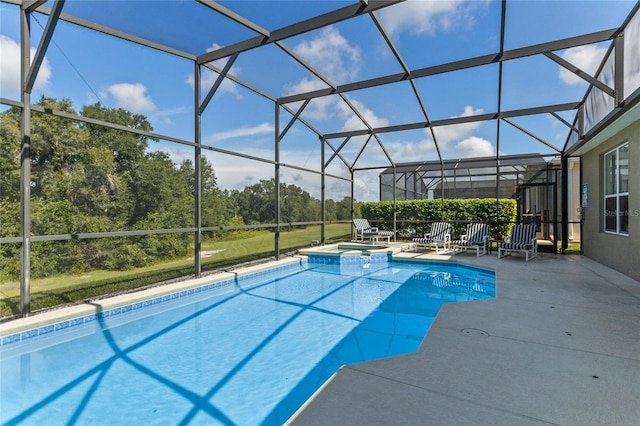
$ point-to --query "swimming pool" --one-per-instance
(245, 351)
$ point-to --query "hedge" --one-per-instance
(415, 216)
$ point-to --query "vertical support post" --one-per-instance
(582, 212)
(442, 185)
(455, 183)
(619, 70)
(352, 205)
(395, 204)
(498, 217)
(498, 209)
(555, 213)
(25, 165)
(503, 20)
(564, 202)
(197, 243)
(581, 122)
(276, 190)
(323, 216)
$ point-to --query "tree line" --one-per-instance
(88, 178)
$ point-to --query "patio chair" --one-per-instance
(476, 237)
(365, 231)
(522, 240)
(438, 236)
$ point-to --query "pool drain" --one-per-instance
(475, 332)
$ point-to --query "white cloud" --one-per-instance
(587, 58)
(208, 77)
(413, 150)
(318, 108)
(353, 122)
(305, 85)
(428, 17)
(366, 185)
(445, 135)
(332, 55)
(474, 147)
(261, 129)
(10, 75)
(231, 172)
(178, 153)
(132, 97)
(166, 115)
(237, 173)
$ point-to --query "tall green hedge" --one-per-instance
(417, 215)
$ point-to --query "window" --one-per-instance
(616, 190)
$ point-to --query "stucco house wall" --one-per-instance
(617, 251)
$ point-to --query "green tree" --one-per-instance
(343, 209)
(10, 155)
(159, 190)
(127, 148)
(256, 203)
(57, 146)
(330, 210)
(216, 206)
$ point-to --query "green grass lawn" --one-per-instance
(572, 248)
(236, 249)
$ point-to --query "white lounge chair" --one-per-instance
(476, 237)
(363, 230)
(438, 236)
(522, 240)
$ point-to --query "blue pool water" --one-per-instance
(245, 352)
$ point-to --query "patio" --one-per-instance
(560, 344)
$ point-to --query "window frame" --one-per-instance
(615, 194)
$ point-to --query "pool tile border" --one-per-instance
(349, 258)
(113, 312)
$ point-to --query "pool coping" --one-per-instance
(44, 322)
(324, 250)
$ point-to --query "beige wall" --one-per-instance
(618, 252)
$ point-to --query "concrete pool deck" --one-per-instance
(560, 344)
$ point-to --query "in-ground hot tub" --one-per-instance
(348, 254)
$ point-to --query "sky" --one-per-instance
(87, 67)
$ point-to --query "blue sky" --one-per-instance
(85, 66)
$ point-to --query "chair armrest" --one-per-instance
(463, 237)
